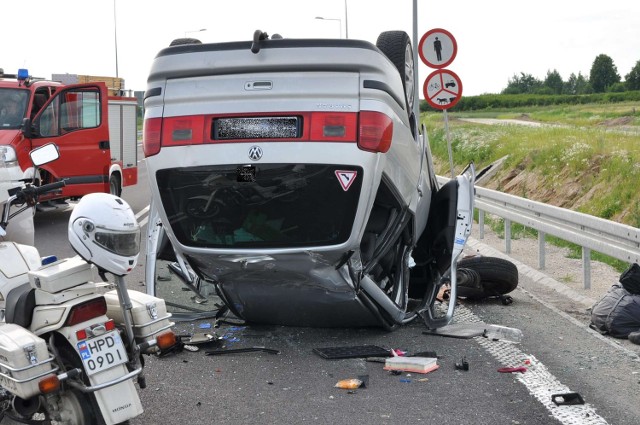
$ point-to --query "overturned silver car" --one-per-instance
(290, 180)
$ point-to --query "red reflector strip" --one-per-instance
(110, 325)
(86, 311)
(376, 131)
(81, 334)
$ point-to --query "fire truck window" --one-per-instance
(48, 127)
(80, 109)
(13, 107)
(39, 99)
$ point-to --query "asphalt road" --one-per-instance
(298, 386)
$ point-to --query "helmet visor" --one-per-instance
(125, 244)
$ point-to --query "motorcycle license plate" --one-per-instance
(102, 352)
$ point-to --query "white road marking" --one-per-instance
(537, 379)
(142, 212)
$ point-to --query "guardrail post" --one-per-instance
(586, 267)
(541, 250)
(481, 223)
(507, 236)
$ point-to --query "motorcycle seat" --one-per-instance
(20, 303)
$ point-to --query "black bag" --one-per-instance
(617, 313)
(630, 279)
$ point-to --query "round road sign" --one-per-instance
(437, 48)
(442, 89)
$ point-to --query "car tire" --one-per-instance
(396, 45)
(497, 276)
(184, 41)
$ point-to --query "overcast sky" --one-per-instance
(496, 38)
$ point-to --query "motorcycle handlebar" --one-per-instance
(38, 190)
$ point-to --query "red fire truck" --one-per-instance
(95, 132)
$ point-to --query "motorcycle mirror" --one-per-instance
(44, 154)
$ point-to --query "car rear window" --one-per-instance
(261, 206)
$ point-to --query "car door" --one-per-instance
(75, 119)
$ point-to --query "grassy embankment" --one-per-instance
(586, 158)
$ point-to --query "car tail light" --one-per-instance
(187, 130)
(333, 127)
(86, 311)
(376, 132)
(151, 136)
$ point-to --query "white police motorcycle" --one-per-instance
(70, 347)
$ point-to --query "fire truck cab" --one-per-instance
(96, 134)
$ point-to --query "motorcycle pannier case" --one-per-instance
(24, 360)
(150, 316)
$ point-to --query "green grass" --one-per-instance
(601, 163)
(579, 161)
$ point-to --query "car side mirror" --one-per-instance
(27, 129)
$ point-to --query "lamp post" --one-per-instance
(346, 21)
(115, 35)
(190, 32)
(332, 19)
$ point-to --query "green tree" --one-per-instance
(632, 79)
(525, 83)
(603, 74)
(577, 84)
(554, 82)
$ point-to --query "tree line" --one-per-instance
(603, 85)
(603, 77)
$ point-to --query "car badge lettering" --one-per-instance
(255, 153)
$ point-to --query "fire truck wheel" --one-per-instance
(115, 188)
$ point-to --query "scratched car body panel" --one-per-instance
(292, 181)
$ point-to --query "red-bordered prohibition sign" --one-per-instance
(437, 48)
(442, 89)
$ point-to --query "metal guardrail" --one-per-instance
(616, 240)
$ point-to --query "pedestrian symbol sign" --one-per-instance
(437, 48)
(442, 89)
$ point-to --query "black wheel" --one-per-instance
(183, 41)
(469, 284)
(115, 188)
(497, 276)
(396, 45)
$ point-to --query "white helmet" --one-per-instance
(104, 231)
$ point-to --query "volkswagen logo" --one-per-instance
(255, 153)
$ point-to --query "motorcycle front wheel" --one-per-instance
(76, 408)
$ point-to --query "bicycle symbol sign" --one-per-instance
(442, 89)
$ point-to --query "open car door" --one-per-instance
(449, 227)
(75, 119)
